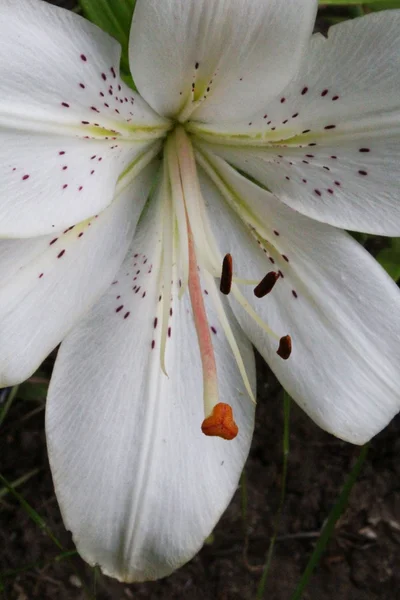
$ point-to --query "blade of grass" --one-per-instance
(286, 449)
(7, 405)
(329, 527)
(37, 519)
(19, 481)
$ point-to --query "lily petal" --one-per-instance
(332, 149)
(139, 485)
(339, 306)
(65, 117)
(237, 53)
(49, 282)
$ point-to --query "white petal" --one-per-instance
(337, 303)
(62, 103)
(139, 485)
(246, 50)
(48, 283)
(48, 183)
(344, 110)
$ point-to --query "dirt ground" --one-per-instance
(361, 562)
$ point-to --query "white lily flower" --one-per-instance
(120, 252)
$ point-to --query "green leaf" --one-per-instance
(114, 17)
(389, 258)
(377, 4)
(329, 526)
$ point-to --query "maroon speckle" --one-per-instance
(41, 275)
(214, 330)
(304, 90)
(335, 98)
(294, 293)
(61, 153)
(295, 115)
(113, 72)
(324, 92)
(82, 85)
(288, 178)
(61, 254)
(104, 76)
(64, 168)
(85, 122)
(271, 260)
(330, 127)
(364, 150)
(117, 310)
(334, 157)
(283, 100)
(65, 104)
(80, 235)
(337, 183)
(330, 191)
(25, 177)
(169, 331)
(53, 241)
(83, 57)
(126, 315)
(361, 172)
(285, 257)
(318, 192)
(155, 323)
(153, 345)
(306, 131)
(276, 232)
(281, 274)
(65, 186)
(80, 188)
(91, 172)
(304, 180)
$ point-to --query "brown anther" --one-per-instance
(266, 285)
(285, 347)
(226, 275)
(220, 423)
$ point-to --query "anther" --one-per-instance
(220, 423)
(226, 275)
(285, 347)
(266, 285)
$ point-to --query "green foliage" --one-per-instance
(114, 17)
(389, 258)
(329, 526)
(285, 451)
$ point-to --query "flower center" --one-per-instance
(189, 243)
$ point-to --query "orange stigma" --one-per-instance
(220, 423)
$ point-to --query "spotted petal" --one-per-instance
(139, 485)
(48, 283)
(339, 306)
(237, 53)
(65, 116)
(329, 145)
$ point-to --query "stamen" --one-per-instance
(226, 275)
(285, 347)
(220, 423)
(266, 285)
